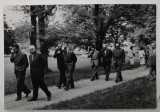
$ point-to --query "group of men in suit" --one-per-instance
(37, 66)
(106, 55)
(66, 60)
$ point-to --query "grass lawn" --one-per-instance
(136, 94)
(82, 71)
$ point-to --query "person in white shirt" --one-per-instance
(142, 57)
(131, 55)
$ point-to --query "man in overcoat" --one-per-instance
(20, 65)
(37, 67)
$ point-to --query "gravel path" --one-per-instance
(82, 87)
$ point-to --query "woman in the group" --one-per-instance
(142, 57)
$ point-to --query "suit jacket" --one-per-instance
(37, 64)
(60, 59)
(71, 57)
(70, 60)
(119, 56)
(106, 56)
(20, 61)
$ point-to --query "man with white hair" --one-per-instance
(37, 66)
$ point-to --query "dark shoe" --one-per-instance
(97, 77)
(32, 99)
(116, 81)
(49, 97)
(72, 86)
(120, 79)
(28, 94)
(59, 87)
(18, 98)
(66, 88)
(92, 79)
(107, 79)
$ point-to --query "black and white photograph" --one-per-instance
(80, 56)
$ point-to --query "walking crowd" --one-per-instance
(66, 61)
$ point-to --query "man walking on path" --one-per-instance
(37, 66)
(70, 60)
(106, 55)
(59, 54)
(119, 59)
(95, 55)
(152, 63)
(21, 63)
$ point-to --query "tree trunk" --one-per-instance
(41, 26)
(33, 23)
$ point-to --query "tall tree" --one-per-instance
(33, 37)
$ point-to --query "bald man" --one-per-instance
(37, 66)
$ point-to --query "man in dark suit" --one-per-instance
(119, 59)
(37, 66)
(106, 55)
(59, 54)
(21, 63)
(70, 60)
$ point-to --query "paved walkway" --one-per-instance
(82, 87)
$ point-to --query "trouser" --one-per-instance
(151, 71)
(21, 87)
(39, 82)
(62, 77)
(70, 70)
(95, 72)
(107, 68)
(119, 74)
(147, 60)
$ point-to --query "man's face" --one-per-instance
(32, 50)
(92, 48)
(117, 46)
(104, 47)
(15, 50)
(59, 47)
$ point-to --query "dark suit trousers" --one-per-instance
(119, 74)
(38, 81)
(21, 87)
(62, 77)
(70, 71)
(107, 68)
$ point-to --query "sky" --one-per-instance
(14, 17)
